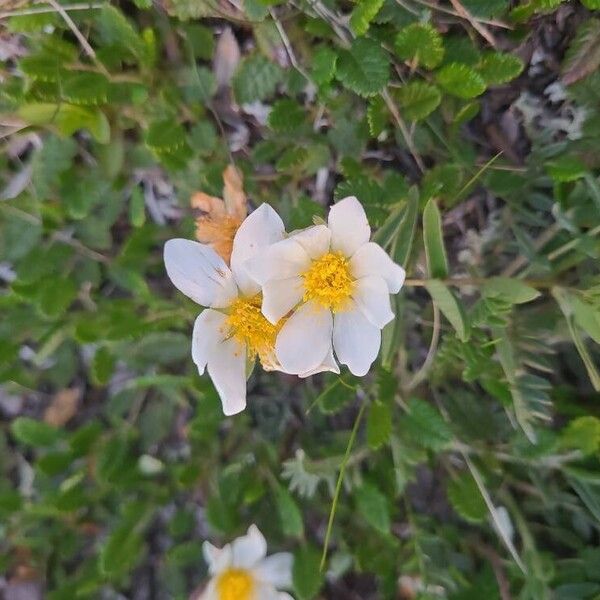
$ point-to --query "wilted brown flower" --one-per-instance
(221, 218)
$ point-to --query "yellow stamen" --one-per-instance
(235, 584)
(247, 325)
(329, 282)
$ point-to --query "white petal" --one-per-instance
(282, 260)
(349, 226)
(217, 559)
(315, 240)
(260, 229)
(372, 259)
(265, 591)
(199, 272)
(372, 297)
(210, 592)
(280, 296)
(249, 549)
(227, 369)
(355, 340)
(276, 570)
(284, 596)
(328, 364)
(206, 335)
(304, 339)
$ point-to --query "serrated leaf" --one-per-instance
(306, 573)
(67, 118)
(292, 158)
(85, 88)
(466, 499)
(103, 366)
(425, 426)
(364, 68)
(165, 136)
(34, 433)
(44, 67)
(583, 56)
(323, 65)
(286, 115)
(450, 307)
(418, 99)
(509, 290)
(255, 79)
(363, 14)
(116, 30)
(335, 396)
(377, 115)
(437, 263)
(587, 316)
(497, 68)
(379, 424)
(373, 506)
(461, 80)
(420, 44)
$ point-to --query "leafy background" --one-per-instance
(469, 130)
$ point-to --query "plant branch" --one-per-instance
(338, 485)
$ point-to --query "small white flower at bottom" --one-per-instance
(243, 571)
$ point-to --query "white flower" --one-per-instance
(338, 284)
(232, 331)
(242, 571)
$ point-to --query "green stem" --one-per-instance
(338, 486)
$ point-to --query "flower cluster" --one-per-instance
(301, 302)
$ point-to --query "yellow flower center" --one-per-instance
(235, 584)
(246, 324)
(328, 281)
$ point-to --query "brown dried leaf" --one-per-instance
(583, 55)
(233, 193)
(226, 59)
(220, 219)
(63, 407)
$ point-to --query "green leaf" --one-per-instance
(103, 366)
(509, 290)
(255, 79)
(587, 316)
(85, 88)
(450, 307)
(437, 263)
(165, 135)
(407, 229)
(53, 300)
(116, 30)
(67, 118)
(137, 207)
(461, 80)
(421, 44)
(583, 434)
(364, 68)
(286, 116)
(323, 65)
(377, 115)
(379, 424)
(418, 99)
(363, 14)
(425, 426)
(497, 68)
(335, 396)
(566, 168)
(564, 300)
(289, 513)
(466, 499)
(373, 506)
(34, 433)
(306, 574)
